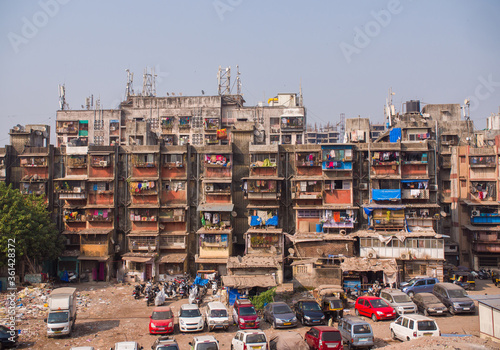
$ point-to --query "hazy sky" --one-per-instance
(347, 53)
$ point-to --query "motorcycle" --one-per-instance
(214, 287)
(182, 290)
(137, 292)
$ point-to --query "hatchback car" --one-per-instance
(429, 304)
(454, 298)
(356, 333)
(279, 315)
(161, 321)
(165, 343)
(323, 338)
(398, 300)
(374, 307)
(205, 342)
(249, 339)
(309, 312)
(408, 327)
(190, 318)
(420, 285)
(127, 345)
(244, 314)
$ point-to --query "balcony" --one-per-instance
(415, 194)
(445, 196)
(485, 218)
(69, 195)
(307, 195)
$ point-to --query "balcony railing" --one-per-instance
(307, 195)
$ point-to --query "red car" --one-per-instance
(324, 338)
(374, 307)
(244, 314)
(161, 321)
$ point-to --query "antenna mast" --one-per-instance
(62, 98)
(342, 126)
(238, 81)
(149, 83)
(224, 81)
(129, 90)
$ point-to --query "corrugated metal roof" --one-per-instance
(249, 281)
(175, 258)
(251, 261)
(482, 228)
(216, 207)
(96, 231)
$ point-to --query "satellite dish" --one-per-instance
(291, 251)
(234, 214)
(443, 214)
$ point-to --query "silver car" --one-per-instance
(400, 301)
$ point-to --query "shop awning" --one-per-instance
(96, 258)
(212, 180)
(216, 207)
(95, 231)
(249, 281)
(137, 259)
(176, 258)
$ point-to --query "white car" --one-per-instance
(254, 339)
(217, 316)
(408, 327)
(190, 318)
(127, 345)
(204, 342)
(83, 348)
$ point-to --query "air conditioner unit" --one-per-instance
(103, 163)
(363, 186)
(343, 232)
(476, 213)
(433, 187)
(404, 256)
(372, 254)
(209, 188)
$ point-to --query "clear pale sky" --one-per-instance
(346, 53)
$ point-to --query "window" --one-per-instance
(405, 322)
(411, 324)
(308, 213)
(431, 282)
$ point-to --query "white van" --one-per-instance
(217, 316)
(408, 327)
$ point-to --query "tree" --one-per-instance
(25, 220)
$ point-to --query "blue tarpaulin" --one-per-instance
(272, 221)
(386, 195)
(395, 135)
(200, 281)
(409, 181)
(255, 221)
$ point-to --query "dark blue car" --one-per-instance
(309, 312)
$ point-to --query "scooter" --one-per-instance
(137, 292)
(214, 287)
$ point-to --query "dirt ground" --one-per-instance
(108, 313)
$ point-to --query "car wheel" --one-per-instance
(356, 311)
(374, 318)
(408, 338)
(451, 310)
(393, 335)
(411, 294)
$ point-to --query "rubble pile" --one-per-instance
(428, 343)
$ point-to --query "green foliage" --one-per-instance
(25, 219)
(263, 298)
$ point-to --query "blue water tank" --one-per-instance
(319, 228)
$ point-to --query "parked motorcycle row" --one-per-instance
(156, 293)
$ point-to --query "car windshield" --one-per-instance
(403, 298)
(427, 326)
(412, 281)
(311, 307)
(330, 336)
(168, 347)
(161, 315)
(57, 317)
(4, 331)
(378, 303)
(218, 313)
(457, 293)
(256, 338)
(362, 329)
(207, 346)
(247, 311)
(282, 309)
(335, 304)
(190, 313)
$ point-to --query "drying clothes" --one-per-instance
(262, 214)
(216, 218)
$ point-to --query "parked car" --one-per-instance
(81, 348)
(454, 298)
(411, 281)
(323, 338)
(374, 307)
(398, 300)
(279, 315)
(420, 285)
(161, 320)
(190, 318)
(408, 327)
(127, 345)
(205, 342)
(165, 343)
(356, 333)
(249, 339)
(287, 340)
(216, 316)
(244, 314)
(309, 312)
(6, 338)
(429, 304)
